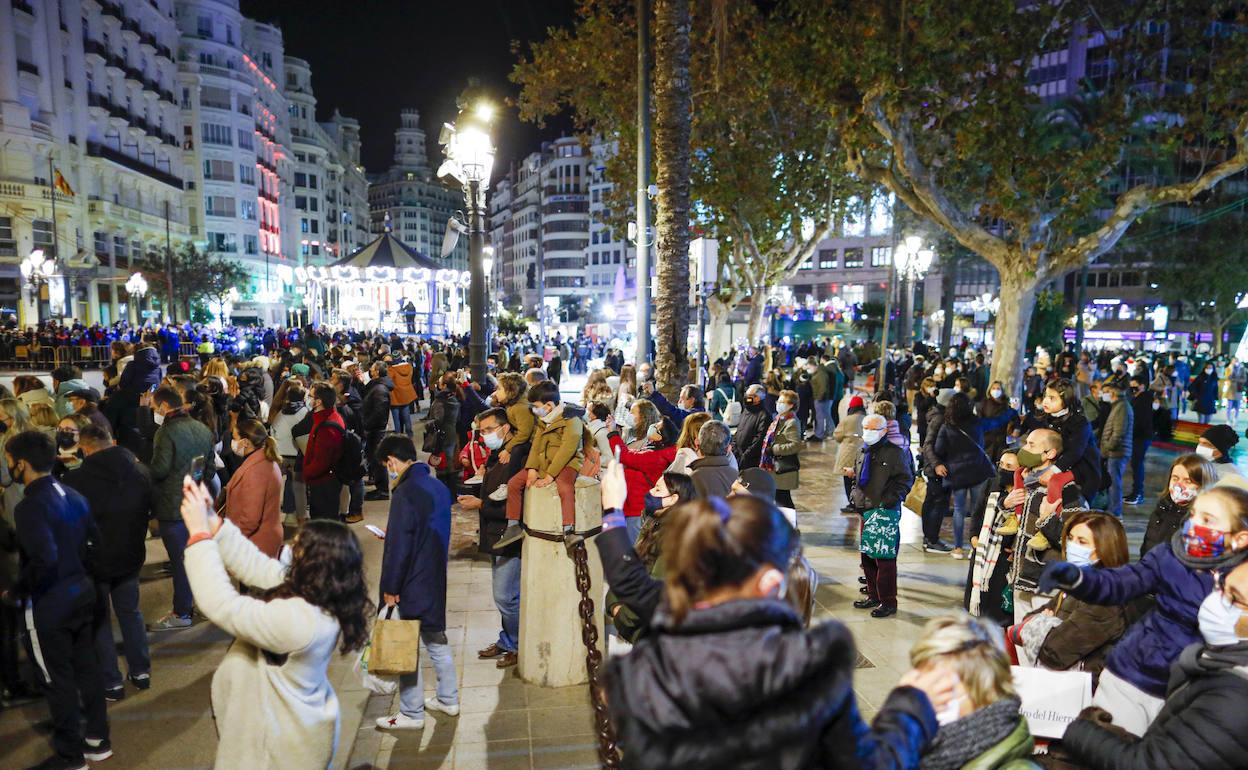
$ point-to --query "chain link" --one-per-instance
(608, 754)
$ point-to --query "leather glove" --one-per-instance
(1059, 574)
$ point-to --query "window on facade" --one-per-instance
(250, 246)
(301, 179)
(101, 243)
(314, 204)
(303, 225)
(217, 134)
(219, 206)
(312, 181)
(316, 250)
(301, 202)
(853, 257)
(218, 170)
(204, 26)
(316, 226)
(223, 242)
(881, 256)
(120, 249)
(6, 229)
(247, 210)
(42, 233)
(246, 139)
(246, 174)
(827, 259)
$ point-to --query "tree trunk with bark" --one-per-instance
(758, 303)
(718, 336)
(672, 128)
(1018, 301)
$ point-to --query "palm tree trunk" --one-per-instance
(672, 128)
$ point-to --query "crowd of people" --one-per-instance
(251, 459)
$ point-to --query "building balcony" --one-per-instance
(22, 5)
(111, 9)
(97, 150)
(93, 48)
(21, 190)
(108, 212)
(25, 66)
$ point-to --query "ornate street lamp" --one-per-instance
(912, 262)
(136, 288)
(36, 271)
(469, 161)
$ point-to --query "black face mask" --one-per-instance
(65, 439)
(1005, 479)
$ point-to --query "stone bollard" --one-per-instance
(552, 653)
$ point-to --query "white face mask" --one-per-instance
(1217, 619)
(996, 392)
(1205, 451)
(239, 448)
(628, 421)
(158, 418)
(950, 713)
(783, 407)
(492, 440)
(1181, 494)
(871, 437)
(1106, 397)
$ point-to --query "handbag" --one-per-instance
(881, 533)
(917, 494)
(395, 647)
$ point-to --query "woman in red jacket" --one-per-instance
(253, 498)
(643, 467)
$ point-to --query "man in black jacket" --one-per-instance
(755, 419)
(1142, 435)
(491, 509)
(119, 493)
(374, 415)
(882, 479)
(54, 528)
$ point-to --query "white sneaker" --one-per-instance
(499, 494)
(433, 704)
(399, 722)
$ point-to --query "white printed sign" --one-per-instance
(1051, 699)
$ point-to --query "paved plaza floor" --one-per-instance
(505, 723)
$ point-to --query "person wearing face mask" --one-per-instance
(1202, 722)
(1079, 454)
(993, 543)
(1216, 444)
(781, 446)
(1181, 575)
(1234, 377)
(1203, 391)
(881, 478)
(491, 509)
(779, 694)
(413, 577)
(643, 467)
(924, 400)
(634, 571)
(283, 419)
(992, 404)
(253, 496)
(690, 402)
(179, 439)
(1190, 474)
(750, 432)
(1116, 443)
(1066, 633)
(554, 458)
(1142, 432)
(981, 726)
(1040, 501)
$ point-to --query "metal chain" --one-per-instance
(608, 754)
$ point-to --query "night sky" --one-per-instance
(370, 58)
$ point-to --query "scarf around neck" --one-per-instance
(1228, 561)
(959, 742)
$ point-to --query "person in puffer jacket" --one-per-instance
(403, 396)
(251, 392)
(728, 677)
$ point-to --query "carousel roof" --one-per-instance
(388, 251)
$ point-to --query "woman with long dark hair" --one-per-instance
(271, 695)
(1080, 455)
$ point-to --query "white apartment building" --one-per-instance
(417, 203)
(88, 122)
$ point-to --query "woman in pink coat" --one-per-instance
(253, 498)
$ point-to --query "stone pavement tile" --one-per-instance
(555, 697)
(561, 722)
(565, 753)
(492, 699)
(493, 755)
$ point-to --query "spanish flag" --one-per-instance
(61, 185)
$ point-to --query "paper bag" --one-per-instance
(1051, 699)
(395, 647)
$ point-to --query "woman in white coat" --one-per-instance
(271, 695)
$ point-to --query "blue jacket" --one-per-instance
(668, 409)
(54, 525)
(418, 542)
(1144, 654)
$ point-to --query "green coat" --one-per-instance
(1012, 753)
(557, 445)
(785, 443)
(178, 442)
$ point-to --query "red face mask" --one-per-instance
(1203, 542)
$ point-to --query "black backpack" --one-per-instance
(350, 467)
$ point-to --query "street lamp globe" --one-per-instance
(913, 243)
(923, 260)
(136, 285)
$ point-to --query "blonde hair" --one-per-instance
(689, 431)
(17, 416)
(215, 368)
(256, 433)
(885, 409)
(972, 651)
(42, 415)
